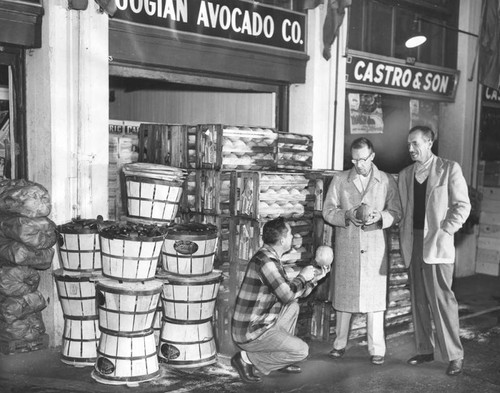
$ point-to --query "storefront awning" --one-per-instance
(21, 23)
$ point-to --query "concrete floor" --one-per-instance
(479, 298)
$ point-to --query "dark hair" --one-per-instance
(426, 132)
(361, 142)
(274, 230)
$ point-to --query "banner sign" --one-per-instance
(491, 95)
(391, 77)
(242, 21)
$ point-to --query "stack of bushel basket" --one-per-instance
(27, 237)
(79, 252)
(128, 295)
(238, 178)
(190, 289)
(127, 299)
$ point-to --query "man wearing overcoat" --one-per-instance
(359, 279)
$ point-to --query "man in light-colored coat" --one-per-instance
(435, 200)
(359, 277)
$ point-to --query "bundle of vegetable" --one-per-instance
(25, 198)
(38, 232)
(132, 231)
(27, 238)
(12, 252)
(18, 280)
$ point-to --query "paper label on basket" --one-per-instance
(185, 247)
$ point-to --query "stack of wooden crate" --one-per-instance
(238, 179)
(488, 243)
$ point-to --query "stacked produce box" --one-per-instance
(238, 179)
(27, 237)
(488, 247)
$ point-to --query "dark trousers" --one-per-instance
(433, 300)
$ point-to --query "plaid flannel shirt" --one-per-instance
(265, 288)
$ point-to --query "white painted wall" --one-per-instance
(317, 106)
(67, 123)
(458, 123)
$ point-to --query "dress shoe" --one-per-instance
(245, 370)
(291, 369)
(336, 353)
(419, 359)
(455, 367)
(378, 360)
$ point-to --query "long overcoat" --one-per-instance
(359, 279)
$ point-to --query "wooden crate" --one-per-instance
(208, 191)
(268, 195)
(322, 179)
(224, 308)
(488, 243)
(392, 235)
(490, 205)
(293, 151)
(18, 346)
(489, 230)
(491, 193)
(489, 218)
(486, 255)
(321, 320)
(396, 262)
(303, 326)
(491, 269)
(168, 144)
(245, 239)
(220, 146)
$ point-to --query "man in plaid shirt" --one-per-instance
(266, 309)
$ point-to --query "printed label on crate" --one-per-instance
(124, 127)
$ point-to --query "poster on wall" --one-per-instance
(123, 149)
(424, 113)
(366, 113)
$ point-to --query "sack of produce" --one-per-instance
(18, 280)
(20, 254)
(38, 232)
(28, 329)
(24, 197)
(19, 307)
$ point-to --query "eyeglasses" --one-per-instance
(361, 160)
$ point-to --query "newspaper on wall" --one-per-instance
(424, 113)
(123, 149)
(366, 114)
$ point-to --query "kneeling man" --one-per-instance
(266, 308)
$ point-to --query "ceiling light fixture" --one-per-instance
(417, 38)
